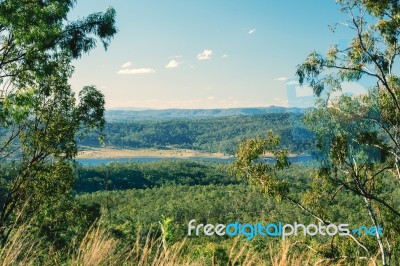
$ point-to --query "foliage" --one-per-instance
(130, 211)
(166, 227)
(250, 164)
(40, 119)
(356, 135)
(120, 176)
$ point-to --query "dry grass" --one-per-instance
(20, 249)
(98, 247)
(284, 257)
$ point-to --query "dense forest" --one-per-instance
(212, 134)
(138, 175)
(218, 198)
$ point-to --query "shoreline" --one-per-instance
(117, 153)
(113, 153)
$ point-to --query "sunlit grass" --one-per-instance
(99, 247)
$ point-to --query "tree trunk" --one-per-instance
(378, 237)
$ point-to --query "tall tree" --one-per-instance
(40, 118)
(357, 137)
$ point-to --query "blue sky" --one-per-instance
(205, 54)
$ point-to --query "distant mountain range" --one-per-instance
(131, 114)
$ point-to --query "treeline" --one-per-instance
(142, 175)
(214, 134)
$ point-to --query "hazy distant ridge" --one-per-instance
(129, 114)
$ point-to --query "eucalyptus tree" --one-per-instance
(357, 137)
(40, 117)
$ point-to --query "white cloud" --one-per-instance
(172, 64)
(127, 64)
(252, 31)
(224, 56)
(136, 71)
(126, 69)
(205, 55)
(281, 79)
(211, 98)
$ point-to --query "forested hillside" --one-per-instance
(212, 134)
(126, 115)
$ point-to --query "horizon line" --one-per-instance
(206, 108)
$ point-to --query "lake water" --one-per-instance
(90, 161)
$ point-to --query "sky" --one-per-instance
(205, 53)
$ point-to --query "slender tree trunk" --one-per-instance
(397, 168)
(378, 237)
